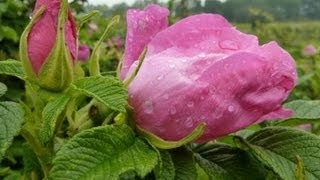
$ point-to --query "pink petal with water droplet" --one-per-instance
(142, 26)
(230, 84)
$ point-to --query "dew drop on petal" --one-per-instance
(231, 108)
(148, 107)
(159, 77)
(189, 122)
(190, 104)
(228, 44)
(172, 66)
(173, 111)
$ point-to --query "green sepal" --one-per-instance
(23, 53)
(56, 74)
(94, 67)
(163, 144)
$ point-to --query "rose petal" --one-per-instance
(142, 26)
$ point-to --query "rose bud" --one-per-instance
(83, 53)
(48, 45)
(202, 70)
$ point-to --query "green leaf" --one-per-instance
(278, 148)
(184, 163)
(8, 33)
(165, 169)
(103, 153)
(108, 90)
(51, 113)
(3, 89)
(224, 162)
(304, 112)
(11, 118)
(12, 68)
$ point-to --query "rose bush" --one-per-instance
(202, 69)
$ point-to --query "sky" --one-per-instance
(113, 2)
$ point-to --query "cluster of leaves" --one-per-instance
(115, 150)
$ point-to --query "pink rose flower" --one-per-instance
(83, 53)
(309, 50)
(201, 69)
(42, 37)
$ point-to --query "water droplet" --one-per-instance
(159, 77)
(173, 111)
(189, 122)
(172, 65)
(190, 104)
(231, 109)
(228, 44)
(202, 97)
(148, 107)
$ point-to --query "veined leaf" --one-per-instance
(224, 162)
(177, 164)
(3, 89)
(108, 90)
(184, 163)
(11, 118)
(50, 116)
(165, 169)
(304, 112)
(278, 148)
(103, 153)
(12, 68)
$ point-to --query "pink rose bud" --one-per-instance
(309, 50)
(50, 40)
(83, 52)
(43, 35)
(201, 69)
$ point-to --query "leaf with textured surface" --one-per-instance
(12, 68)
(165, 169)
(11, 119)
(50, 115)
(103, 153)
(108, 90)
(304, 112)
(184, 163)
(3, 89)
(278, 148)
(224, 162)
